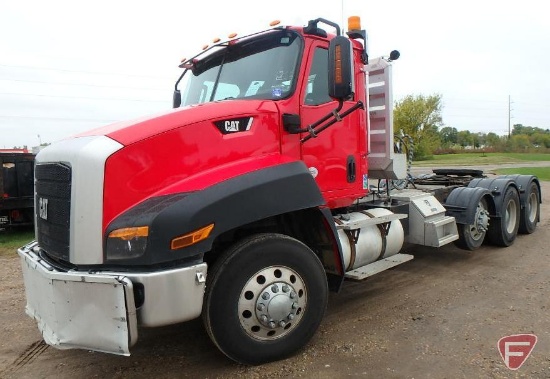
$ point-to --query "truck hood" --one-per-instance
(132, 131)
(187, 150)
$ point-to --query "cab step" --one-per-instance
(378, 266)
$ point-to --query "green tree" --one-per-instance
(448, 135)
(465, 138)
(540, 139)
(520, 129)
(493, 139)
(420, 117)
(520, 142)
(480, 139)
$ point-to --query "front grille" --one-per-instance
(53, 208)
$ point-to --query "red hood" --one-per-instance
(183, 150)
(132, 131)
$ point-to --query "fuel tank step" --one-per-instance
(378, 266)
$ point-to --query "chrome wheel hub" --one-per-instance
(481, 224)
(272, 303)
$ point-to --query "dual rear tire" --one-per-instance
(502, 231)
(530, 213)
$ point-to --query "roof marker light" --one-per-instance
(232, 35)
(274, 22)
(216, 40)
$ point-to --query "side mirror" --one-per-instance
(176, 99)
(340, 68)
(394, 55)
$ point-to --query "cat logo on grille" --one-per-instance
(43, 208)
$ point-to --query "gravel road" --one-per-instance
(437, 316)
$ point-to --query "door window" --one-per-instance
(317, 83)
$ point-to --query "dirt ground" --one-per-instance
(437, 316)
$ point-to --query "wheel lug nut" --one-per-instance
(292, 295)
(286, 288)
(272, 325)
(260, 307)
(264, 318)
(282, 324)
(294, 305)
(265, 296)
(291, 316)
(274, 288)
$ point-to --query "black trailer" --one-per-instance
(16, 190)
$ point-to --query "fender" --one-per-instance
(498, 187)
(524, 182)
(462, 203)
(229, 204)
(335, 281)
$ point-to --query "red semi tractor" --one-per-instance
(245, 204)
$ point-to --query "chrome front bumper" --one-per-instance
(97, 311)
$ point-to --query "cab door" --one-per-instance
(337, 156)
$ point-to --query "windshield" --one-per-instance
(260, 67)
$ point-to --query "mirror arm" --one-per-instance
(311, 128)
(336, 116)
(176, 97)
(312, 24)
(360, 34)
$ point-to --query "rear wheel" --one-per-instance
(266, 297)
(471, 236)
(531, 212)
(503, 232)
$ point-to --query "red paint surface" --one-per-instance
(188, 157)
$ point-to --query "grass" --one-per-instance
(543, 173)
(479, 158)
(10, 240)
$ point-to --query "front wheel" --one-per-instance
(266, 297)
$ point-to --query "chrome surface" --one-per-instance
(272, 303)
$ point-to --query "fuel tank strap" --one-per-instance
(384, 228)
(352, 242)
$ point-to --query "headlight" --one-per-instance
(127, 243)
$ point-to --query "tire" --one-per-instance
(503, 231)
(471, 236)
(530, 213)
(265, 298)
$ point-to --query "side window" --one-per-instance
(317, 84)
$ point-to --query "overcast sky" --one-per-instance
(69, 66)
